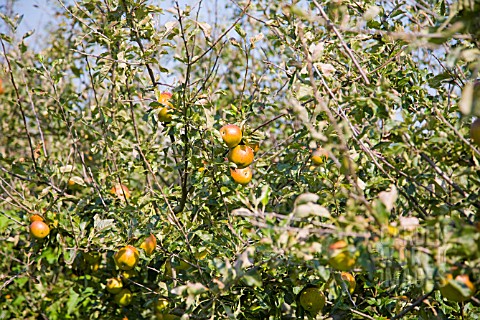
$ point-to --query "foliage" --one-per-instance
(129, 92)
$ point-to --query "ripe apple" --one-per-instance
(149, 244)
(241, 176)
(114, 285)
(312, 300)
(124, 297)
(349, 280)
(39, 229)
(241, 155)
(165, 115)
(127, 257)
(121, 191)
(319, 156)
(231, 135)
(340, 256)
(35, 217)
(161, 305)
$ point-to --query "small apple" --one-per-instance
(319, 156)
(35, 217)
(161, 305)
(121, 191)
(340, 256)
(114, 285)
(231, 135)
(123, 298)
(149, 244)
(165, 115)
(39, 229)
(349, 280)
(312, 300)
(241, 176)
(127, 257)
(241, 155)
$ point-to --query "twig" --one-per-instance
(139, 41)
(344, 45)
(442, 174)
(19, 103)
(106, 58)
(243, 212)
(223, 34)
(135, 129)
(11, 218)
(386, 62)
(407, 36)
(413, 305)
(185, 136)
(366, 316)
(269, 121)
(439, 114)
(36, 116)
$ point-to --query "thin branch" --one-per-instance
(36, 116)
(223, 34)
(19, 103)
(439, 115)
(135, 129)
(107, 58)
(442, 174)
(9, 217)
(344, 45)
(269, 121)
(413, 305)
(366, 316)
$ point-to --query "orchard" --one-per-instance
(241, 160)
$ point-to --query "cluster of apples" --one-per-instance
(126, 259)
(341, 258)
(240, 154)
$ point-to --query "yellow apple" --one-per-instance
(127, 257)
(124, 297)
(149, 244)
(114, 285)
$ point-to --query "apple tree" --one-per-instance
(345, 187)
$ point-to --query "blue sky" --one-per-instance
(36, 15)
